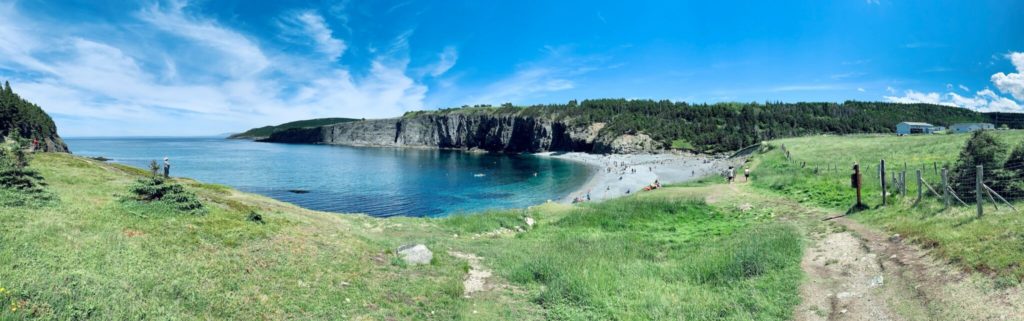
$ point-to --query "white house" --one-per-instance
(906, 128)
(970, 127)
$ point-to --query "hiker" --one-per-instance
(746, 174)
(167, 167)
(731, 173)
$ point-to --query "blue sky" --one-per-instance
(105, 68)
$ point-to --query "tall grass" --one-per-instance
(655, 259)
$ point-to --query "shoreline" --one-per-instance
(613, 174)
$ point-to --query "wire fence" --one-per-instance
(998, 187)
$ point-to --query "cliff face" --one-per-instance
(505, 133)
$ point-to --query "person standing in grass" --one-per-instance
(167, 167)
(730, 174)
(746, 174)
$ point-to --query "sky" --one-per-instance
(186, 68)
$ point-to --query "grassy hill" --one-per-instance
(991, 244)
(661, 255)
(26, 119)
(265, 131)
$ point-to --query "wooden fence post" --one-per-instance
(977, 190)
(919, 191)
(881, 175)
(903, 183)
(945, 186)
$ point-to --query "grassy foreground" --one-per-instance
(663, 255)
(992, 244)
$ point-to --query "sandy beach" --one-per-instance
(619, 175)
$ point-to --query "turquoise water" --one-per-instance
(375, 181)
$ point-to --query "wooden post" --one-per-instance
(919, 188)
(903, 183)
(935, 165)
(857, 181)
(977, 190)
(945, 186)
(881, 174)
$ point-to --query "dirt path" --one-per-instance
(476, 279)
(859, 273)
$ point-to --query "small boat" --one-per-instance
(479, 175)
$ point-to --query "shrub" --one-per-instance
(158, 189)
(22, 185)
(984, 149)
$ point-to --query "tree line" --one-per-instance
(24, 117)
(725, 127)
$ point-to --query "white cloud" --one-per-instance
(949, 87)
(445, 61)
(890, 90)
(245, 55)
(1012, 83)
(861, 89)
(983, 101)
(96, 87)
(558, 71)
(964, 88)
(312, 26)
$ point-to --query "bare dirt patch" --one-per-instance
(476, 280)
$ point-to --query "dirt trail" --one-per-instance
(476, 280)
(859, 273)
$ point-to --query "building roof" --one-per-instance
(916, 124)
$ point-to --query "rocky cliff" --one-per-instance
(484, 131)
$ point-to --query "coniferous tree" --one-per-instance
(983, 149)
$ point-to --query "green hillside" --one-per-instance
(27, 120)
(818, 173)
(265, 131)
(95, 254)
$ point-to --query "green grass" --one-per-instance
(90, 255)
(992, 244)
(682, 144)
(653, 259)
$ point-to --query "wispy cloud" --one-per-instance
(924, 45)
(853, 74)
(311, 26)
(97, 87)
(445, 61)
(556, 72)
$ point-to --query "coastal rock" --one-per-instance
(529, 222)
(629, 144)
(415, 254)
(456, 130)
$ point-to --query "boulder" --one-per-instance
(415, 254)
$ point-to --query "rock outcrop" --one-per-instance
(470, 131)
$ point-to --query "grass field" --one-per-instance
(993, 244)
(663, 255)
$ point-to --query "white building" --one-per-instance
(970, 127)
(907, 128)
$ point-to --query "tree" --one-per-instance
(983, 149)
(1013, 170)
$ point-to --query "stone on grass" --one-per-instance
(529, 222)
(415, 254)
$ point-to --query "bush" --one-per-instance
(984, 149)
(22, 185)
(158, 189)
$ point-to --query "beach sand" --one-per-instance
(667, 168)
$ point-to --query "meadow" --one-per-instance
(991, 244)
(94, 253)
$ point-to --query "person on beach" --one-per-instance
(746, 174)
(167, 167)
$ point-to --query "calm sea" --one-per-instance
(375, 181)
